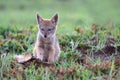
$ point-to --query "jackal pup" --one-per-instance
(47, 47)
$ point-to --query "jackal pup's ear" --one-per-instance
(55, 19)
(39, 19)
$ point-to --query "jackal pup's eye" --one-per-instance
(42, 29)
(49, 29)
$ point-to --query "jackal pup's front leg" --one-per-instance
(38, 53)
(51, 56)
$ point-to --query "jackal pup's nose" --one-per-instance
(45, 36)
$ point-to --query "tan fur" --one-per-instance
(47, 49)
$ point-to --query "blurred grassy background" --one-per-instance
(72, 13)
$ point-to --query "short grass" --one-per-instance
(76, 17)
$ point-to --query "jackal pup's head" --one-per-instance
(47, 27)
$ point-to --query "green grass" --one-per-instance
(18, 21)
